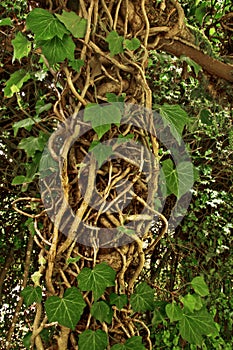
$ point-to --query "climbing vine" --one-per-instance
(74, 75)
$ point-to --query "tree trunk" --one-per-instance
(110, 72)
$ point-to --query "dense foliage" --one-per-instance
(173, 289)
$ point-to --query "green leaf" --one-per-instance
(189, 302)
(206, 117)
(179, 180)
(102, 312)
(20, 179)
(159, 313)
(45, 335)
(132, 44)
(170, 175)
(194, 325)
(32, 144)
(134, 343)
(143, 298)
(101, 153)
(115, 42)
(122, 139)
(16, 81)
(101, 117)
(32, 167)
(31, 295)
(96, 280)
(25, 123)
(56, 50)
(29, 223)
(175, 117)
(111, 97)
(21, 45)
(6, 22)
(173, 311)
(200, 12)
(185, 174)
(73, 260)
(192, 63)
(44, 25)
(76, 64)
(199, 285)
(199, 302)
(67, 310)
(36, 276)
(126, 230)
(119, 300)
(41, 107)
(75, 24)
(27, 340)
(93, 340)
(47, 164)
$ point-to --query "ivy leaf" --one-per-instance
(159, 313)
(32, 144)
(189, 302)
(32, 167)
(29, 223)
(200, 287)
(6, 22)
(27, 340)
(175, 117)
(111, 97)
(19, 180)
(199, 302)
(56, 50)
(134, 343)
(21, 45)
(126, 230)
(200, 12)
(193, 325)
(192, 63)
(31, 295)
(101, 117)
(67, 310)
(25, 123)
(185, 174)
(119, 300)
(47, 164)
(206, 117)
(101, 153)
(42, 107)
(16, 81)
(173, 311)
(44, 25)
(76, 64)
(74, 23)
(94, 340)
(96, 280)
(122, 139)
(115, 42)
(73, 260)
(102, 312)
(36, 276)
(179, 180)
(143, 298)
(132, 44)
(170, 175)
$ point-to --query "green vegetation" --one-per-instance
(170, 287)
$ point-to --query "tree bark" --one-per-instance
(209, 64)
